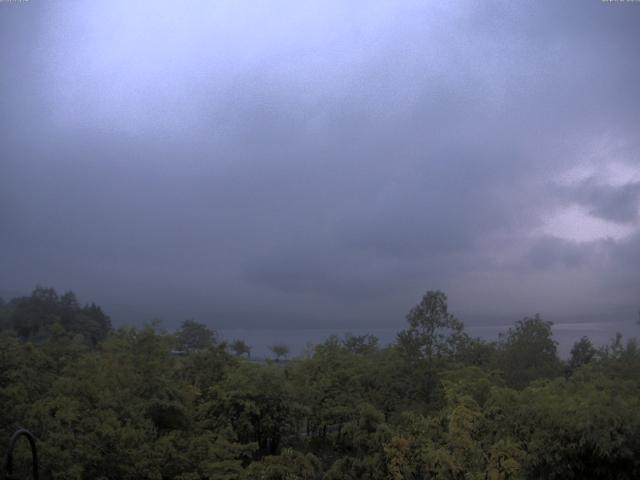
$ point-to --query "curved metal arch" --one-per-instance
(7, 467)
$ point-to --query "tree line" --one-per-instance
(144, 403)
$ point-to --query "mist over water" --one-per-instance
(301, 340)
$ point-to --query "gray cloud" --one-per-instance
(312, 165)
(549, 252)
(619, 204)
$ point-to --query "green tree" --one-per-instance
(240, 348)
(475, 352)
(528, 352)
(362, 442)
(289, 465)
(433, 335)
(361, 344)
(582, 353)
(433, 332)
(193, 336)
(280, 350)
(453, 444)
(34, 317)
(350, 409)
(258, 403)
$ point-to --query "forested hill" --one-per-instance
(143, 403)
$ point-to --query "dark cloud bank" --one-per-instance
(276, 165)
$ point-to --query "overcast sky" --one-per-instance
(261, 164)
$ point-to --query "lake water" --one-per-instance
(298, 340)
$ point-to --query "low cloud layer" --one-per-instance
(615, 203)
(287, 164)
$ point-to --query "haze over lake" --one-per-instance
(302, 340)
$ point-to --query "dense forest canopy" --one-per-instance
(144, 403)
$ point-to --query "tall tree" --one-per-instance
(361, 344)
(433, 334)
(193, 336)
(36, 317)
(280, 350)
(528, 352)
(582, 353)
(240, 348)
